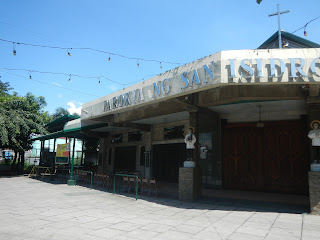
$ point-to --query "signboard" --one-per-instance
(63, 153)
(253, 67)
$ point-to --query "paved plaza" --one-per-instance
(34, 209)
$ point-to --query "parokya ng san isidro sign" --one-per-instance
(230, 71)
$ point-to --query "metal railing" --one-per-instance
(125, 175)
(84, 172)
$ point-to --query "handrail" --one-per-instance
(125, 175)
(85, 172)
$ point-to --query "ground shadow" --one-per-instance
(205, 202)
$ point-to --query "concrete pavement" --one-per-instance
(33, 209)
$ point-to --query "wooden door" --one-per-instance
(273, 158)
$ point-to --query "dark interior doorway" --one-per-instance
(167, 158)
(125, 159)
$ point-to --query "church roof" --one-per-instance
(291, 40)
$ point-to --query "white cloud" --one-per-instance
(56, 84)
(73, 109)
(114, 87)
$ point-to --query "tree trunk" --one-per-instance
(14, 160)
(21, 167)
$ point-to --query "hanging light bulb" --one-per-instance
(30, 76)
(138, 64)
(99, 81)
(109, 59)
(14, 50)
(160, 65)
(69, 53)
(305, 33)
(69, 78)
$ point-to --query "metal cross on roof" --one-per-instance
(279, 29)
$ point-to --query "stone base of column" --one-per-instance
(314, 192)
(189, 183)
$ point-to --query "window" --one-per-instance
(116, 138)
(173, 132)
(134, 136)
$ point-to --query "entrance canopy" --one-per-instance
(74, 129)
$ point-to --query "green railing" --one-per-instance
(84, 172)
(125, 175)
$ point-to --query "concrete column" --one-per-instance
(190, 178)
(314, 192)
(189, 183)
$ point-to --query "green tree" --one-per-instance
(20, 118)
(60, 112)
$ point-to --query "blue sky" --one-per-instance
(168, 31)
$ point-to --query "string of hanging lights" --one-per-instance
(68, 75)
(99, 78)
(88, 49)
(305, 27)
(50, 84)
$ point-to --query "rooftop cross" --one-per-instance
(279, 29)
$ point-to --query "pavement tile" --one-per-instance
(311, 226)
(258, 225)
(196, 222)
(226, 231)
(253, 231)
(107, 233)
(173, 235)
(290, 216)
(188, 228)
(222, 223)
(125, 226)
(311, 232)
(141, 220)
(112, 220)
(285, 232)
(207, 235)
(141, 234)
(123, 238)
(272, 236)
(288, 225)
(310, 238)
(14, 229)
(171, 222)
(95, 225)
(244, 236)
(157, 227)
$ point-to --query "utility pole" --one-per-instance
(279, 29)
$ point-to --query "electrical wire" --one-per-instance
(50, 84)
(304, 27)
(67, 74)
(90, 49)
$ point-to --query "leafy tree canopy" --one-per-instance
(20, 117)
(60, 112)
